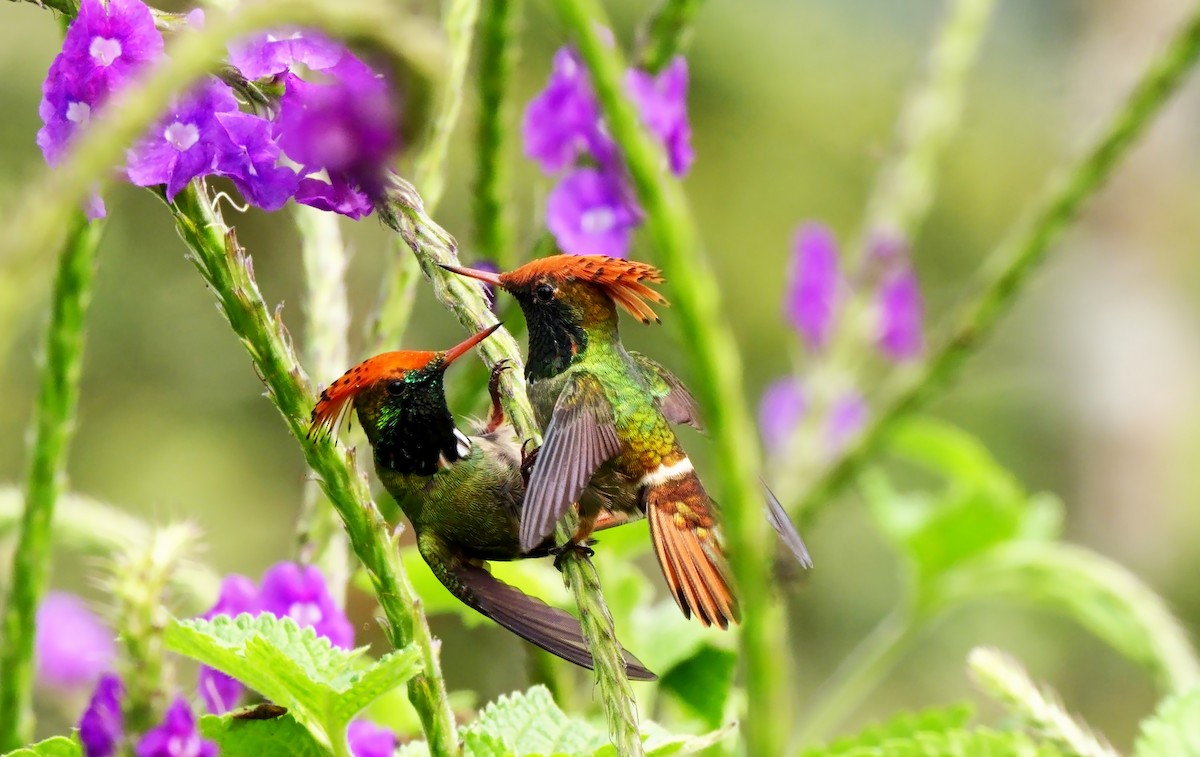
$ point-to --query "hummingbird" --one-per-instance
(607, 415)
(462, 493)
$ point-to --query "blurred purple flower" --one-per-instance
(299, 592)
(278, 51)
(73, 647)
(250, 156)
(662, 103)
(369, 740)
(176, 736)
(846, 418)
(780, 411)
(563, 120)
(483, 264)
(103, 724)
(239, 595)
(900, 314)
(591, 213)
(813, 283)
(185, 143)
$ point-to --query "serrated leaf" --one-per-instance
(980, 742)
(388, 672)
(930, 721)
(529, 723)
(278, 737)
(483, 745)
(659, 742)
(55, 746)
(1173, 730)
(702, 683)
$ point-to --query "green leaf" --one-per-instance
(658, 742)
(702, 683)
(530, 723)
(281, 736)
(322, 686)
(981, 742)
(55, 746)
(904, 725)
(1173, 730)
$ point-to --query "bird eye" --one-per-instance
(544, 292)
(395, 387)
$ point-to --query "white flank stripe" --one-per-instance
(664, 473)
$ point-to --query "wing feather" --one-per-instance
(785, 528)
(674, 400)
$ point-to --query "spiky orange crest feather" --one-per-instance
(621, 279)
(335, 399)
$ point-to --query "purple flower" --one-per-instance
(591, 213)
(369, 740)
(176, 736)
(348, 127)
(249, 157)
(900, 314)
(185, 143)
(483, 264)
(299, 593)
(780, 411)
(73, 647)
(813, 283)
(846, 418)
(278, 51)
(220, 692)
(103, 724)
(563, 120)
(662, 103)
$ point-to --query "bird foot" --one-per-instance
(529, 456)
(496, 419)
(572, 547)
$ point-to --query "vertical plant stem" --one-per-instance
(1014, 261)
(666, 33)
(226, 268)
(327, 326)
(858, 675)
(499, 47)
(716, 376)
(54, 425)
(431, 245)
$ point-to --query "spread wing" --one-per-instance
(535, 621)
(785, 528)
(579, 438)
(674, 400)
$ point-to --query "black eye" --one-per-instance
(395, 387)
(543, 292)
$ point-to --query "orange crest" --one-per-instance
(621, 279)
(336, 397)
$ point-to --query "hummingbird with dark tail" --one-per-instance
(462, 493)
(607, 416)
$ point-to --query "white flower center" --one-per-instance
(79, 113)
(104, 50)
(305, 613)
(597, 220)
(184, 746)
(181, 136)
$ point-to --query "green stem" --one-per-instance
(498, 50)
(666, 33)
(327, 326)
(54, 425)
(716, 375)
(226, 268)
(432, 245)
(102, 530)
(1012, 264)
(858, 675)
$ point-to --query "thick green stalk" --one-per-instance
(431, 245)
(716, 376)
(499, 45)
(326, 331)
(226, 268)
(54, 425)
(1013, 262)
(666, 33)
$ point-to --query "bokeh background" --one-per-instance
(1089, 389)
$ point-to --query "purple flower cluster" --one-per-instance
(592, 210)
(73, 647)
(814, 288)
(102, 727)
(340, 127)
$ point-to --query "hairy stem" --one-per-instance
(666, 33)
(1012, 264)
(327, 326)
(54, 425)
(498, 50)
(716, 375)
(227, 269)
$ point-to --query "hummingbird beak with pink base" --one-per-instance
(486, 277)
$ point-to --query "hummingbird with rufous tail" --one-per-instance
(606, 415)
(462, 493)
